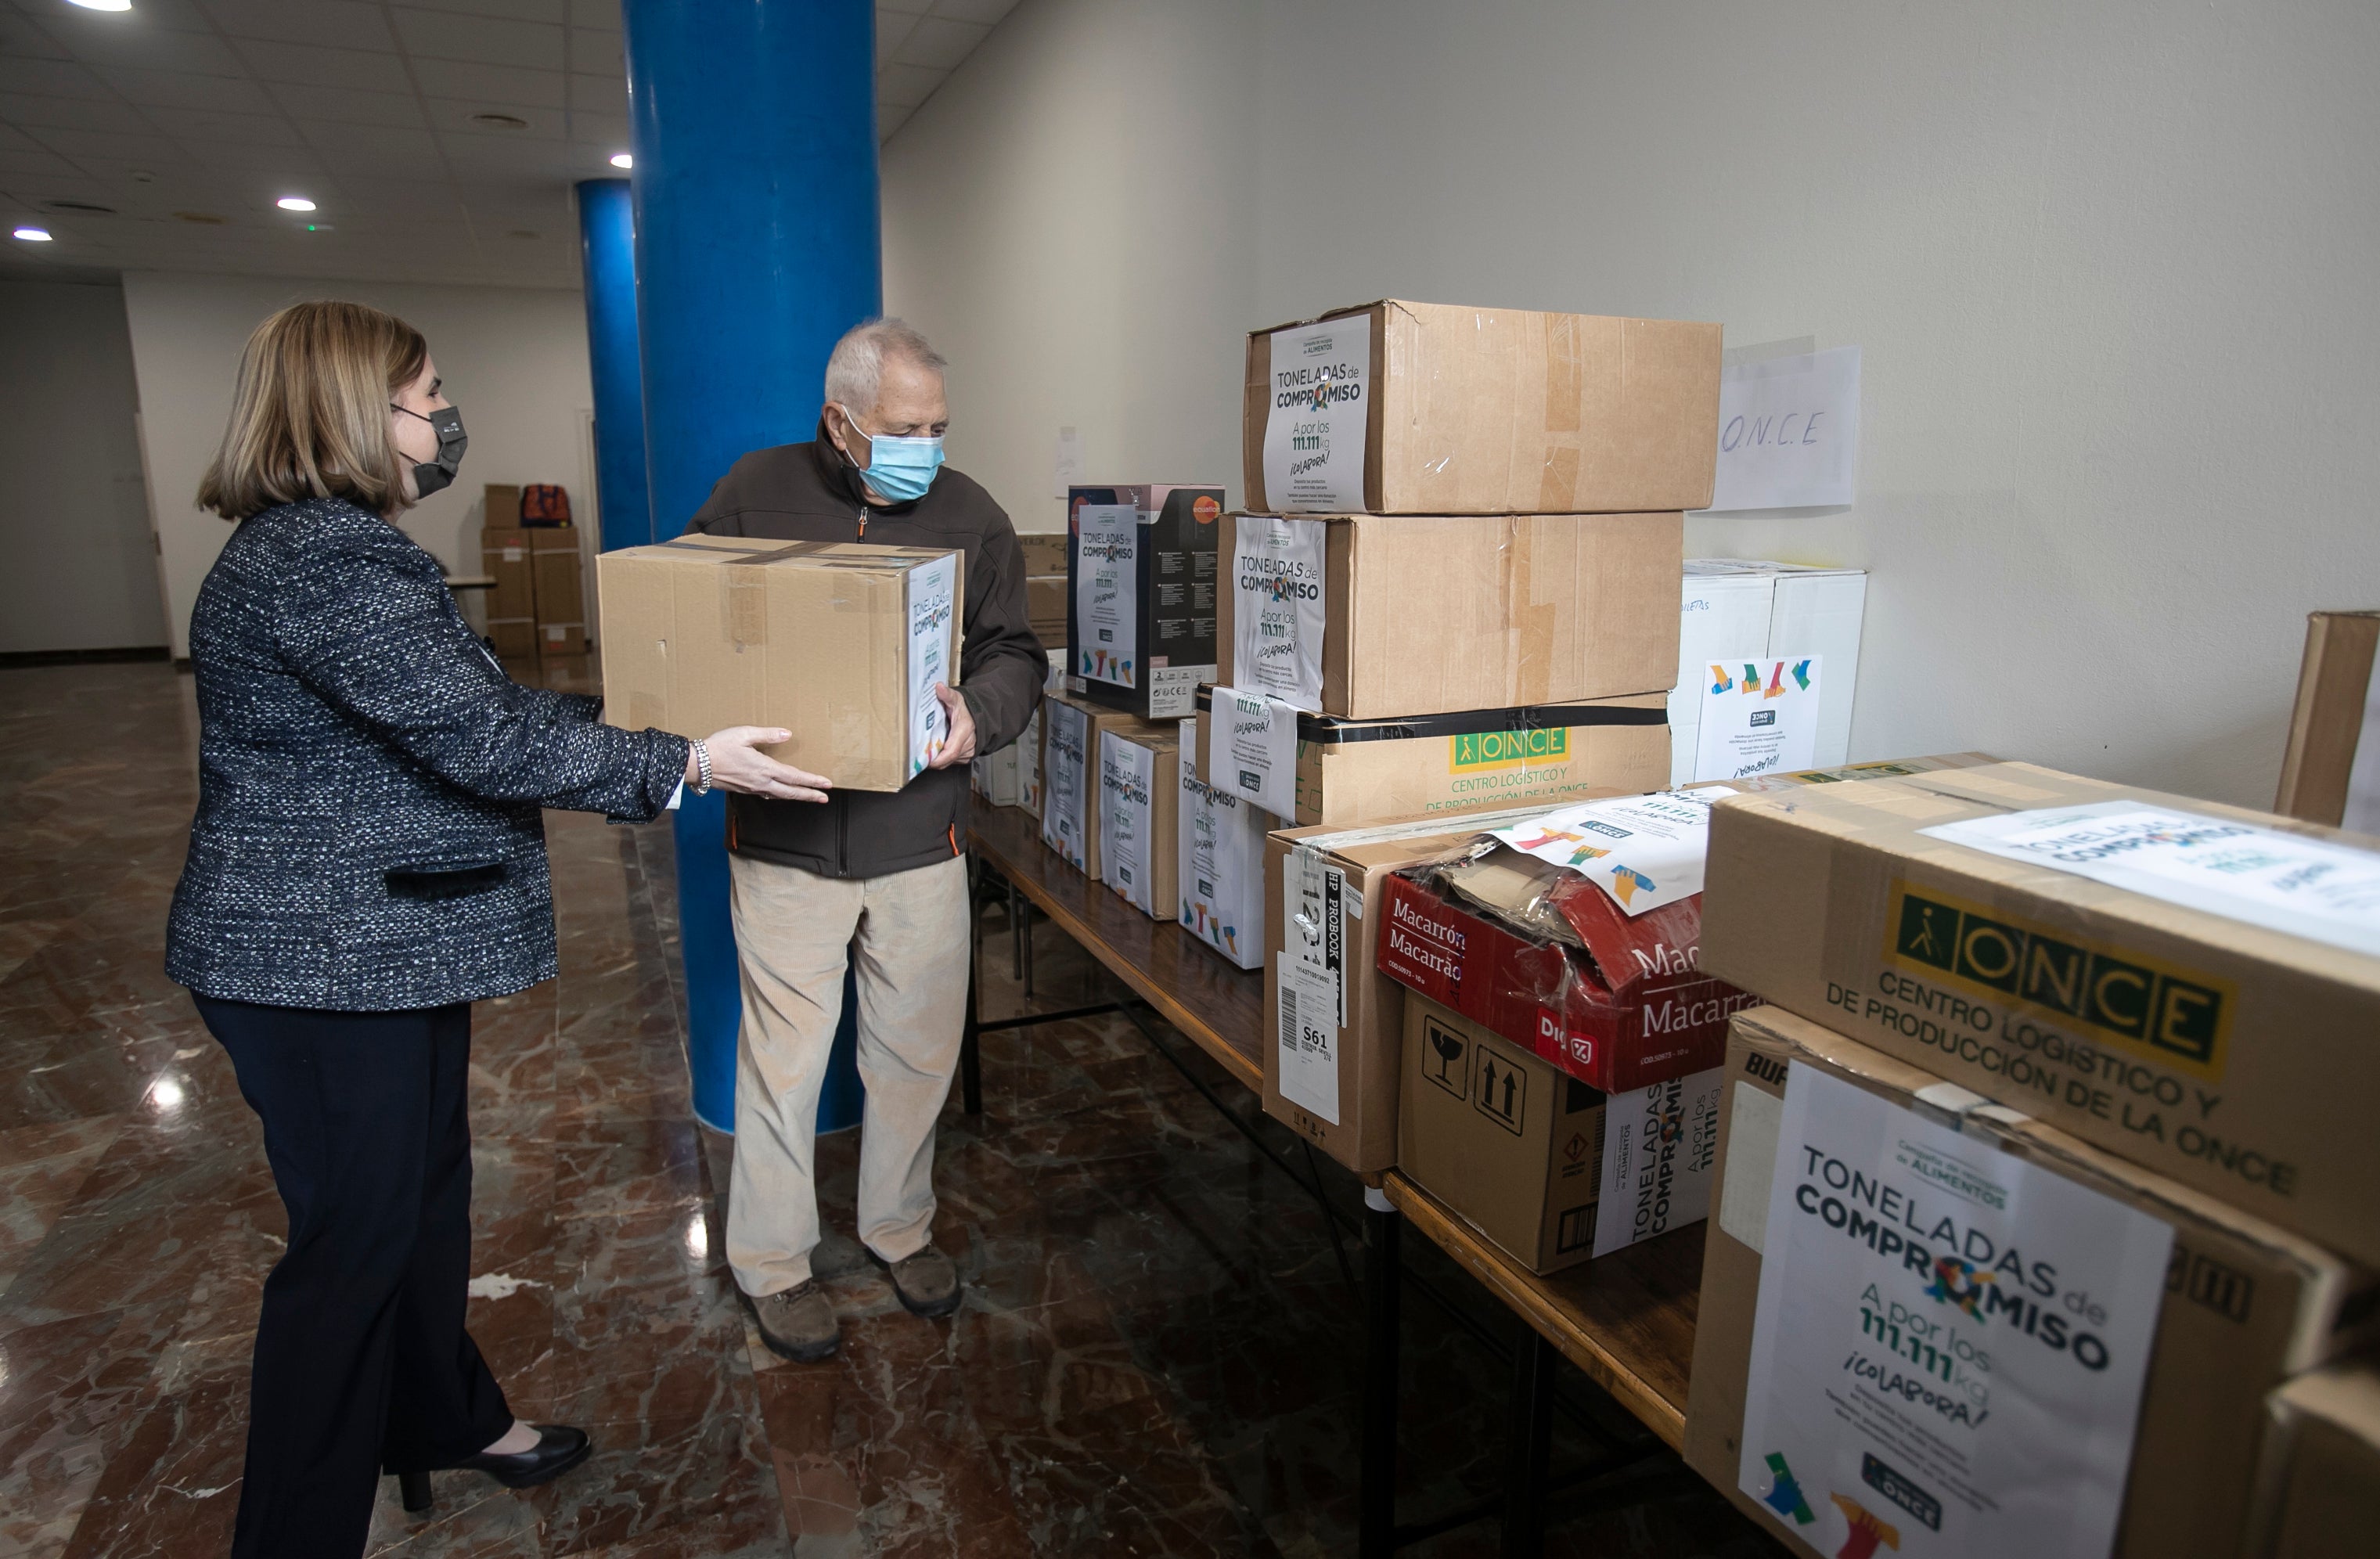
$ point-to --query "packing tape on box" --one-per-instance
(746, 614)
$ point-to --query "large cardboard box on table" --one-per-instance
(504, 556)
(1070, 729)
(1401, 407)
(1372, 616)
(1139, 792)
(1948, 1252)
(1219, 864)
(1044, 586)
(840, 643)
(2330, 772)
(1142, 572)
(2318, 1478)
(1344, 771)
(1011, 776)
(1735, 611)
(561, 599)
(2190, 985)
(1513, 1145)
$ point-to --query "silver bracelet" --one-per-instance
(701, 767)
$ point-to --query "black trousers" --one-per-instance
(361, 1359)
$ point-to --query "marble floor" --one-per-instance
(1158, 1354)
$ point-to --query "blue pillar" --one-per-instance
(753, 123)
(607, 250)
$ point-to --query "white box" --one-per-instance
(1737, 608)
(1222, 865)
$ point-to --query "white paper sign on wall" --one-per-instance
(1788, 431)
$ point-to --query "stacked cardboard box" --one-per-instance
(2054, 1167)
(1045, 588)
(1780, 641)
(537, 605)
(2331, 771)
(1140, 597)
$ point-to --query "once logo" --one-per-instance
(2176, 1016)
(1505, 749)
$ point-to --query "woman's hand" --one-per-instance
(737, 764)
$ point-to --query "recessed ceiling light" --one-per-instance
(622, 159)
(102, 5)
(34, 235)
(203, 218)
(500, 121)
(295, 202)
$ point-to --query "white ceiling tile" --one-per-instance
(49, 77)
(336, 106)
(72, 113)
(909, 84)
(35, 163)
(985, 12)
(605, 94)
(304, 65)
(12, 140)
(147, 16)
(454, 116)
(609, 131)
(191, 124)
(106, 143)
(485, 40)
(343, 24)
(451, 78)
(893, 29)
(891, 117)
(598, 53)
(173, 89)
(328, 137)
(405, 196)
(20, 38)
(487, 157)
(940, 44)
(595, 13)
(149, 48)
(516, 10)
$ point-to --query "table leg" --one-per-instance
(1383, 1281)
(1528, 1440)
(971, 1051)
(1019, 931)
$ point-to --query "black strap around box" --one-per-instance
(1329, 730)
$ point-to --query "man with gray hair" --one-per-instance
(879, 878)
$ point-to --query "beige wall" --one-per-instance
(2111, 266)
(515, 360)
(81, 573)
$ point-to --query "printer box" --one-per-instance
(1403, 408)
(1140, 595)
(1070, 729)
(839, 642)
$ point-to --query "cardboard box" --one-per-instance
(1139, 792)
(1010, 777)
(560, 602)
(2329, 726)
(1044, 553)
(1511, 1145)
(504, 556)
(1374, 617)
(1070, 729)
(1323, 899)
(1141, 579)
(1400, 408)
(500, 505)
(1219, 865)
(1045, 610)
(1350, 770)
(2318, 1477)
(2229, 1055)
(2246, 1304)
(838, 643)
(1735, 610)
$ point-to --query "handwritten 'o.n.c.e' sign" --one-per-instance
(1788, 431)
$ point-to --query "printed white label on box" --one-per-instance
(1949, 1344)
(932, 616)
(1174, 689)
(1659, 1143)
(1222, 868)
(1309, 1042)
(1312, 982)
(1128, 778)
(1759, 715)
(1277, 608)
(1645, 851)
(1253, 750)
(1063, 788)
(1314, 433)
(1107, 574)
(2313, 888)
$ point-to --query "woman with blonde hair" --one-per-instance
(367, 860)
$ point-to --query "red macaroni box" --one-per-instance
(1631, 1010)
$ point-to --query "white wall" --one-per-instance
(2111, 265)
(74, 523)
(513, 358)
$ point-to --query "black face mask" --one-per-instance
(439, 475)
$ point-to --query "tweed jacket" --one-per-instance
(368, 835)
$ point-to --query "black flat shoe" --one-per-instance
(559, 1448)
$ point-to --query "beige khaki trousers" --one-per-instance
(908, 932)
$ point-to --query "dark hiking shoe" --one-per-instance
(798, 1324)
(926, 1284)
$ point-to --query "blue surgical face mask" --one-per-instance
(900, 468)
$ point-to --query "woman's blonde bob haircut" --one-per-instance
(309, 418)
